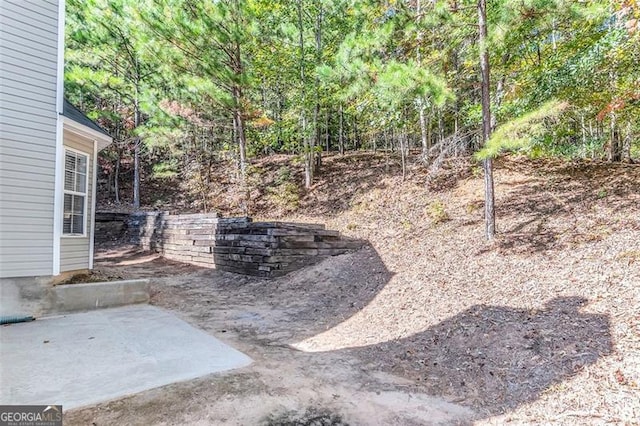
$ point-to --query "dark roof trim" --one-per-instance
(73, 113)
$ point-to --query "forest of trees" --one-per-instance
(183, 85)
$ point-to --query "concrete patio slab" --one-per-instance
(85, 358)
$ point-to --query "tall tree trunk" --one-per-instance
(136, 154)
(136, 174)
(326, 130)
(316, 114)
(238, 110)
(238, 125)
(615, 146)
(440, 128)
(116, 178)
(356, 136)
(421, 103)
(423, 130)
(489, 198)
(341, 131)
(429, 132)
(237, 95)
(626, 144)
(403, 154)
(308, 152)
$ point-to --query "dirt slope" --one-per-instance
(540, 326)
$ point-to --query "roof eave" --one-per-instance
(72, 125)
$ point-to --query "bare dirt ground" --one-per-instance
(429, 324)
(262, 318)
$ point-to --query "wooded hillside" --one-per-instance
(188, 88)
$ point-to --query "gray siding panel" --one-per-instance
(18, 92)
(16, 140)
(34, 216)
(28, 46)
(30, 73)
(43, 153)
(18, 54)
(28, 126)
(74, 251)
(45, 38)
(25, 18)
(18, 110)
(43, 10)
(21, 89)
(28, 76)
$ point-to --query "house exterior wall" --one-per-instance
(74, 251)
(28, 120)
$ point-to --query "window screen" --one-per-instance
(75, 193)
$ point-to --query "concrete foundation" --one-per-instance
(37, 296)
(85, 297)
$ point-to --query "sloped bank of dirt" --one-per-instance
(262, 318)
(541, 326)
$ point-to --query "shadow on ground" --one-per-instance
(554, 210)
(495, 358)
(491, 358)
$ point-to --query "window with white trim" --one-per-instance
(75, 193)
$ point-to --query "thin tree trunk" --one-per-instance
(240, 136)
(440, 128)
(429, 132)
(237, 113)
(387, 151)
(615, 151)
(423, 130)
(489, 204)
(626, 145)
(238, 109)
(316, 115)
(136, 174)
(421, 103)
(403, 154)
(341, 132)
(116, 179)
(326, 130)
(308, 153)
(584, 136)
(136, 154)
(356, 136)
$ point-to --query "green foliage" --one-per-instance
(437, 212)
(285, 196)
(359, 71)
(165, 170)
(521, 132)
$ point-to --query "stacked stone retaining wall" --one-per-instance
(239, 245)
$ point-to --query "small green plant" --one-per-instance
(284, 196)
(473, 206)
(352, 226)
(283, 175)
(437, 212)
(602, 193)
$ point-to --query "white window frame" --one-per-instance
(85, 212)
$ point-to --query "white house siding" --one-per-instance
(74, 251)
(28, 76)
